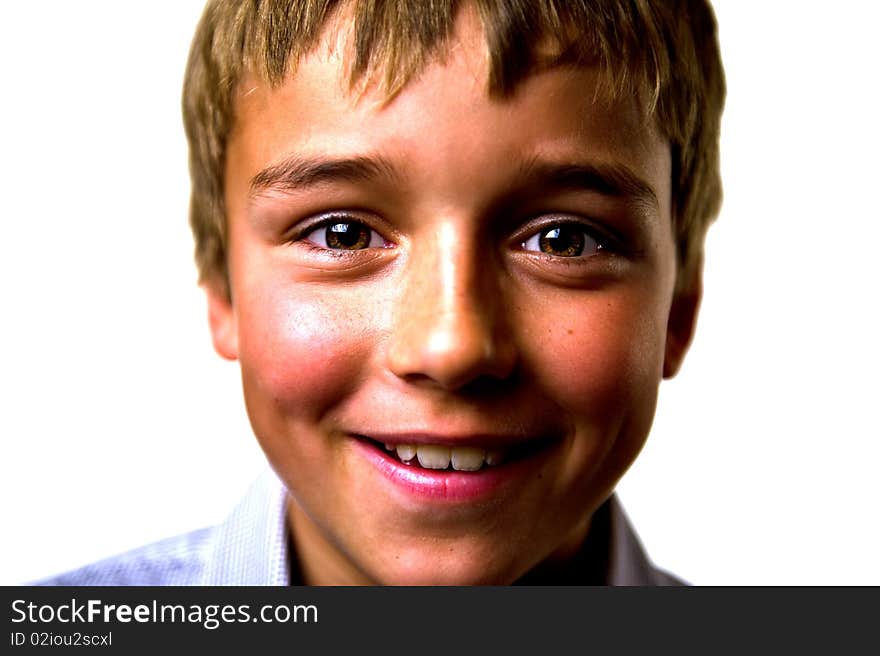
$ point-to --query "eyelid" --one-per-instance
(319, 221)
(606, 238)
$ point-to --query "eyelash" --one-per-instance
(300, 237)
(604, 242)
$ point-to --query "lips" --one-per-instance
(429, 467)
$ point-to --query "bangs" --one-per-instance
(393, 41)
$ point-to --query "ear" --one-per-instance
(683, 319)
(222, 320)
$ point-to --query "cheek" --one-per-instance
(602, 369)
(606, 357)
(299, 352)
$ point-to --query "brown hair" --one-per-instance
(666, 51)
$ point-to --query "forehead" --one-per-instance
(444, 118)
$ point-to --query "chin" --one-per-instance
(447, 570)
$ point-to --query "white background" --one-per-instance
(120, 426)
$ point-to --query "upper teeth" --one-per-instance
(435, 456)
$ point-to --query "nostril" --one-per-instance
(456, 356)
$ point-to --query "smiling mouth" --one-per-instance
(458, 458)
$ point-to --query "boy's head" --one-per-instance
(455, 247)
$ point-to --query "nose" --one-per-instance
(450, 325)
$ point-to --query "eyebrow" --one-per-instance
(296, 172)
(301, 172)
(616, 180)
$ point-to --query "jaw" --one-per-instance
(388, 537)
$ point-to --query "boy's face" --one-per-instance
(484, 276)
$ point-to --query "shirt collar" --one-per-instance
(251, 546)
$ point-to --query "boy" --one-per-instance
(454, 248)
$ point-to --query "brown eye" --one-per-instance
(346, 236)
(564, 240)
